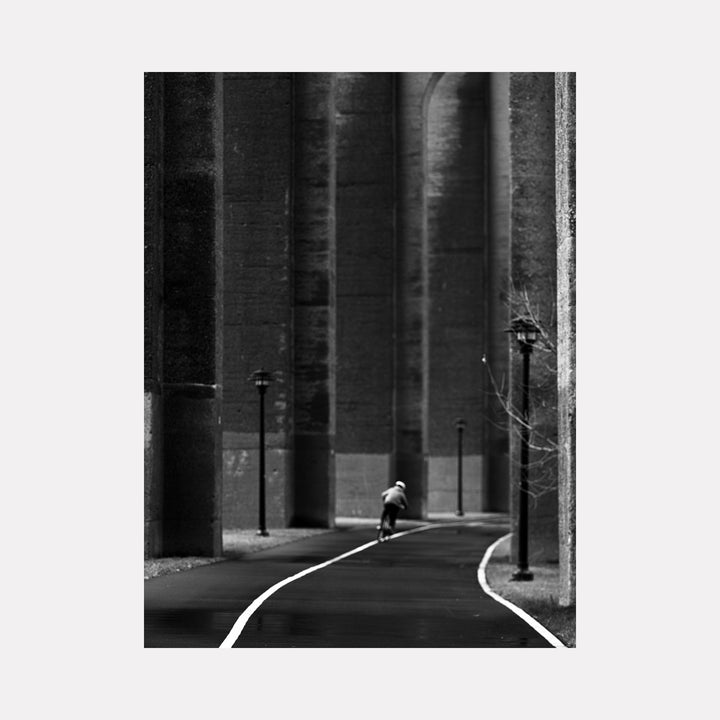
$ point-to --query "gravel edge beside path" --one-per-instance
(236, 543)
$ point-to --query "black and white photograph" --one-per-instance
(359, 359)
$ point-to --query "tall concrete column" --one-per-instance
(413, 91)
(457, 246)
(153, 314)
(314, 333)
(565, 199)
(496, 345)
(365, 231)
(258, 293)
(192, 314)
(533, 270)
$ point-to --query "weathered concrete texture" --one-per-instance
(365, 249)
(362, 229)
(565, 198)
(443, 483)
(411, 287)
(314, 481)
(314, 299)
(533, 269)
(241, 480)
(496, 344)
(191, 367)
(190, 205)
(456, 250)
(192, 502)
(257, 171)
(360, 480)
(457, 243)
(153, 476)
(153, 87)
(410, 418)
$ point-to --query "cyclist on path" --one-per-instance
(394, 500)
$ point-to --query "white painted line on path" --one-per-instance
(534, 624)
(240, 623)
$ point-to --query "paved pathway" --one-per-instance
(418, 590)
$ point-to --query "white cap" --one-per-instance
(400, 484)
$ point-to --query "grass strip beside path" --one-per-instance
(537, 597)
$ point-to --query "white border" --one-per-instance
(534, 624)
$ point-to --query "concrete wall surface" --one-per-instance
(534, 276)
(566, 209)
(360, 480)
(443, 495)
(356, 234)
(257, 290)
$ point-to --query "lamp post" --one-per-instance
(460, 426)
(261, 379)
(526, 333)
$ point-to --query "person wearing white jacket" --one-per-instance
(394, 500)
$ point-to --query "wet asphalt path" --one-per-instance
(418, 590)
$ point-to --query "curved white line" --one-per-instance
(240, 623)
(534, 624)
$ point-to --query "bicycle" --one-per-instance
(385, 529)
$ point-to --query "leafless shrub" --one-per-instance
(542, 444)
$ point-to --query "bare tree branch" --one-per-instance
(544, 449)
(514, 414)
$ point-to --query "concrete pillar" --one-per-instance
(153, 316)
(258, 298)
(533, 270)
(496, 343)
(410, 429)
(192, 313)
(457, 228)
(365, 289)
(314, 299)
(565, 199)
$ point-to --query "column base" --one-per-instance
(522, 575)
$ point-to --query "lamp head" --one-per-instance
(261, 378)
(526, 331)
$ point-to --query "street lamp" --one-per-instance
(261, 379)
(460, 426)
(526, 332)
